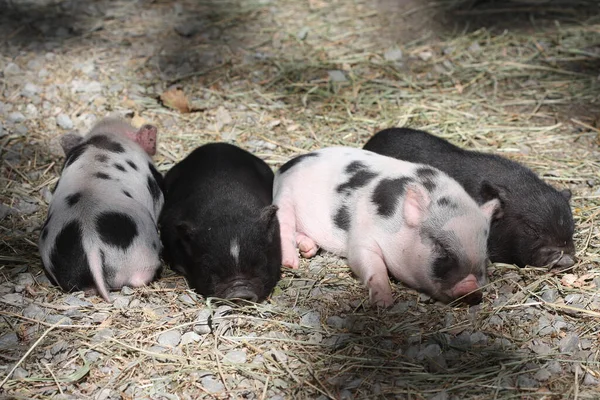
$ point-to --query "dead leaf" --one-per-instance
(175, 98)
(568, 280)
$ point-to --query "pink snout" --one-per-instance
(469, 288)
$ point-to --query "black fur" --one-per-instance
(217, 194)
(101, 158)
(69, 261)
(116, 229)
(119, 167)
(295, 161)
(126, 193)
(72, 199)
(132, 165)
(102, 175)
(104, 142)
(535, 223)
(75, 153)
(342, 219)
(447, 202)
(386, 194)
(360, 176)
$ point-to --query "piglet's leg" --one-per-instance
(308, 247)
(368, 265)
(287, 229)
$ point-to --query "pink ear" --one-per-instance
(415, 205)
(492, 208)
(146, 137)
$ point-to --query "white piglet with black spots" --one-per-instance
(101, 232)
(384, 215)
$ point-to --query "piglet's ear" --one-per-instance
(566, 194)
(416, 201)
(68, 141)
(146, 138)
(494, 197)
(186, 233)
(268, 219)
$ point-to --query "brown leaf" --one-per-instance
(175, 98)
(568, 280)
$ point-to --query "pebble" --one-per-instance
(79, 86)
(524, 381)
(550, 295)
(235, 357)
(336, 322)
(187, 28)
(542, 375)
(337, 76)
(212, 384)
(190, 337)
(479, 338)
(121, 302)
(554, 367)
(569, 343)
(9, 340)
(1, 129)
(99, 317)
(443, 395)
(103, 334)
(14, 299)
(20, 373)
(11, 69)
(92, 356)
(393, 54)
(202, 326)
(30, 90)
(590, 380)
(64, 121)
(311, 319)
(76, 301)
(186, 298)
(31, 110)
(223, 117)
(34, 312)
(16, 117)
(127, 291)
(169, 338)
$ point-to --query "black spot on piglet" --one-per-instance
(132, 165)
(386, 194)
(155, 182)
(119, 167)
(342, 218)
(101, 158)
(126, 193)
(426, 176)
(68, 258)
(75, 153)
(102, 175)
(72, 199)
(104, 142)
(295, 161)
(116, 229)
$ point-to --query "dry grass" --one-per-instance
(530, 94)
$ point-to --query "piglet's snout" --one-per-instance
(468, 290)
(241, 291)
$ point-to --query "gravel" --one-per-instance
(169, 338)
(64, 121)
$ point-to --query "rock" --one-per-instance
(76, 301)
(212, 384)
(479, 338)
(202, 326)
(16, 117)
(336, 322)
(190, 337)
(20, 373)
(121, 302)
(64, 121)
(79, 86)
(11, 69)
(425, 55)
(21, 129)
(103, 334)
(8, 340)
(569, 344)
(34, 312)
(187, 28)
(590, 380)
(550, 295)
(443, 395)
(1, 130)
(393, 54)
(26, 208)
(32, 111)
(235, 357)
(554, 367)
(524, 381)
(14, 299)
(223, 117)
(542, 375)
(541, 348)
(186, 298)
(337, 76)
(30, 90)
(58, 347)
(92, 356)
(99, 317)
(311, 319)
(127, 291)
(169, 338)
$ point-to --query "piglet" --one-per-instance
(101, 232)
(218, 225)
(384, 214)
(536, 226)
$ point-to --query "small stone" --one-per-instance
(540, 348)
(475, 47)
(31, 110)
(311, 319)
(169, 338)
(34, 312)
(524, 381)
(58, 347)
(79, 86)
(211, 384)
(127, 291)
(8, 340)
(550, 295)
(99, 317)
(187, 299)
(542, 375)
(1, 130)
(337, 76)
(443, 395)
(190, 337)
(187, 28)
(16, 117)
(223, 117)
(30, 90)
(585, 344)
(20, 373)
(336, 322)
(393, 54)
(235, 357)
(14, 299)
(303, 33)
(479, 338)
(121, 302)
(103, 334)
(64, 121)
(76, 301)
(11, 69)
(425, 55)
(569, 344)
(590, 380)
(92, 356)
(554, 367)
(495, 320)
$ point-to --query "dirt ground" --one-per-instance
(279, 78)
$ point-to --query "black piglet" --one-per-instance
(218, 226)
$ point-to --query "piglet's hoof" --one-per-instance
(308, 248)
(290, 262)
(381, 299)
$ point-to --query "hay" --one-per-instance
(529, 94)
